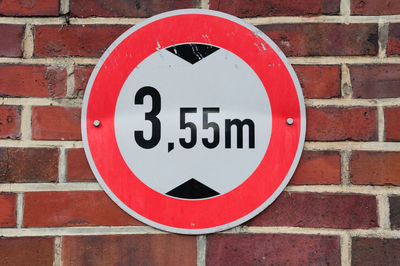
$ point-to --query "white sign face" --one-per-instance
(209, 87)
(193, 121)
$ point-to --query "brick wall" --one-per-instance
(341, 207)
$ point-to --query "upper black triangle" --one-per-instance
(192, 189)
(192, 52)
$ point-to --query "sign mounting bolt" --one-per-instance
(96, 123)
(290, 121)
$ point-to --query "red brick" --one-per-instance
(392, 123)
(29, 8)
(75, 40)
(394, 212)
(319, 81)
(77, 166)
(375, 168)
(330, 123)
(375, 81)
(28, 165)
(268, 8)
(393, 45)
(10, 122)
(56, 123)
(317, 168)
(375, 251)
(8, 217)
(32, 81)
(82, 75)
(11, 40)
(21, 251)
(375, 7)
(84, 208)
(320, 211)
(313, 39)
(272, 249)
(162, 249)
(126, 8)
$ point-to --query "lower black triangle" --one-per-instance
(192, 189)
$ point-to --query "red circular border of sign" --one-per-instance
(193, 214)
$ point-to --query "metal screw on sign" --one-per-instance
(96, 123)
(290, 121)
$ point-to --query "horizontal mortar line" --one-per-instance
(337, 60)
(70, 231)
(352, 102)
(105, 21)
(373, 232)
(33, 20)
(67, 102)
(352, 146)
(353, 189)
(53, 61)
(45, 187)
(40, 143)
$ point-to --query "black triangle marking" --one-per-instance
(192, 189)
(192, 52)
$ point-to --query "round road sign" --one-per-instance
(193, 121)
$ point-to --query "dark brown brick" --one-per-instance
(392, 123)
(317, 168)
(8, 212)
(319, 81)
(375, 251)
(29, 8)
(11, 40)
(56, 123)
(77, 166)
(375, 81)
(324, 39)
(272, 249)
(320, 211)
(10, 122)
(163, 249)
(375, 168)
(375, 7)
(82, 75)
(393, 44)
(32, 81)
(75, 40)
(87, 208)
(126, 8)
(21, 251)
(395, 212)
(331, 123)
(28, 165)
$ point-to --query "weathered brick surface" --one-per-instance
(324, 39)
(56, 123)
(29, 8)
(320, 211)
(77, 166)
(127, 8)
(331, 123)
(319, 81)
(82, 75)
(11, 40)
(73, 209)
(28, 164)
(392, 123)
(268, 8)
(10, 122)
(154, 249)
(272, 249)
(375, 251)
(375, 168)
(393, 45)
(375, 7)
(317, 168)
(8, 217)
(32, 81)
(395, 212)
(21, 251)
(75, 40)
(375, 81)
